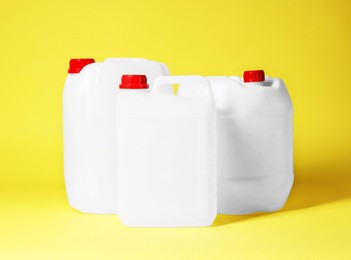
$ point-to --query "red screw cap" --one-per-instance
(76, 65)
(134, 82)
(253, 76)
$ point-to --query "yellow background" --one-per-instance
(307, 43)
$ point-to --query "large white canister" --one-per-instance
(166, 153)
(254, 142)
(89, 129)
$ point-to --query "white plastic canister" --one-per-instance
(89, 129)
(166, 153)
(254, 142)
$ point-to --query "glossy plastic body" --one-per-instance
(254, 144)
(89, 131)
(166, 155)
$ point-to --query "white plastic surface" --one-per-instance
(89, 131)
(166, 155)
(254, 144)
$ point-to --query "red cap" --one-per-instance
(134, 82)
(76, 65)
(253, 76)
